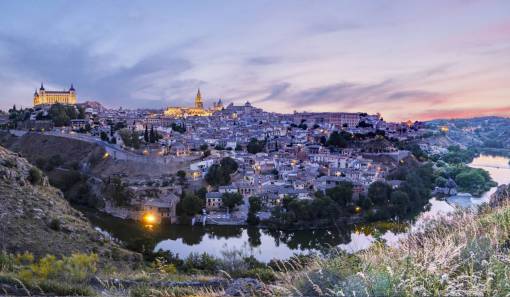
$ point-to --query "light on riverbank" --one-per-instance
(149, 218)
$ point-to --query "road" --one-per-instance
(113, 150)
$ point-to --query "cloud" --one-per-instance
(262, 60)
(149, 80)
(431, 114)
(333, 26)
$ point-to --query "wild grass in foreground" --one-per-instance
(464, 254)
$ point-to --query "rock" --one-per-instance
(501, 196)
(244, 287)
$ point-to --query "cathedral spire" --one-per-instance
(42, 87)
(198, 100)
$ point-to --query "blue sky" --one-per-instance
(405, 59)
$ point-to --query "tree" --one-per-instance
(252, 218)
(255, 146)
(341, 194)
(152, 135)
(255, 204)
(217, 176)
(118, 192)
(178, 128)
(229, 165)
(130, 138)
(182, 176)
(399, 203)
(191, 204)
(379, 193)
(336, 140)
(231, 200)
(146, 134)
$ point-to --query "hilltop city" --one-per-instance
(231, 152)
(138, 189)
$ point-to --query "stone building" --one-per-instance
(44, 97)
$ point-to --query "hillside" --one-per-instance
(36, 218)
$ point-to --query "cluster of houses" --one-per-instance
(292, 159)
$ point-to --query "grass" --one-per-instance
(465, 254)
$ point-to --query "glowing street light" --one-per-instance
(149, 218)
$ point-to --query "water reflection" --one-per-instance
(278, 244)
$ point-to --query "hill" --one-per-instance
(36, 217)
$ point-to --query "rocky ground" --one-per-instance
(35, 216)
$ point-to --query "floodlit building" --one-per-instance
(44, 97)
(197, 110)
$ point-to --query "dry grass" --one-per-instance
(465, 254)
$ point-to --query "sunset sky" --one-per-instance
(406, 59)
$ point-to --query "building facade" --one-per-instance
(197, 110)
(44, 97)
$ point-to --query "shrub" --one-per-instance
(55, 224)
(7, 262)
(9, 163)
(77, 268)
(35, 176)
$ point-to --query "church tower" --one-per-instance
(198, 101)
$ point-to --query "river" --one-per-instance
(266, 245)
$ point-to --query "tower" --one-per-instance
(198, 101)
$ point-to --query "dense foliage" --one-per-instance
(381, 203)
(255, 146)
(219, 174)
(130, 138)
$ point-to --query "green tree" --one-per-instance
(217, 176)
(336, 140)
(399, 203)
(379, 193)
(118, 192)
(181, 174)
(341, 194)
(231, 200)
(152, 135)
(229, 165)
(146, 134)
(191, 204)
(255, 146)
(255, 204)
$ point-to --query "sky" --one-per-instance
(405, 59)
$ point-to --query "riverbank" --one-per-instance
(464, 254)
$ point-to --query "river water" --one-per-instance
(266, 245)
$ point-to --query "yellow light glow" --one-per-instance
(106, 155)
(444, 129)
(357, 209)
(149, 218)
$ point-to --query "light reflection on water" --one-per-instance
(266, 245)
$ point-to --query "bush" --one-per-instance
(77, 268)
(35, 176)
(7, 262)
(55, 224)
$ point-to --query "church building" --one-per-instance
(197, 110)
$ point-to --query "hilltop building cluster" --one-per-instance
(278, 155)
